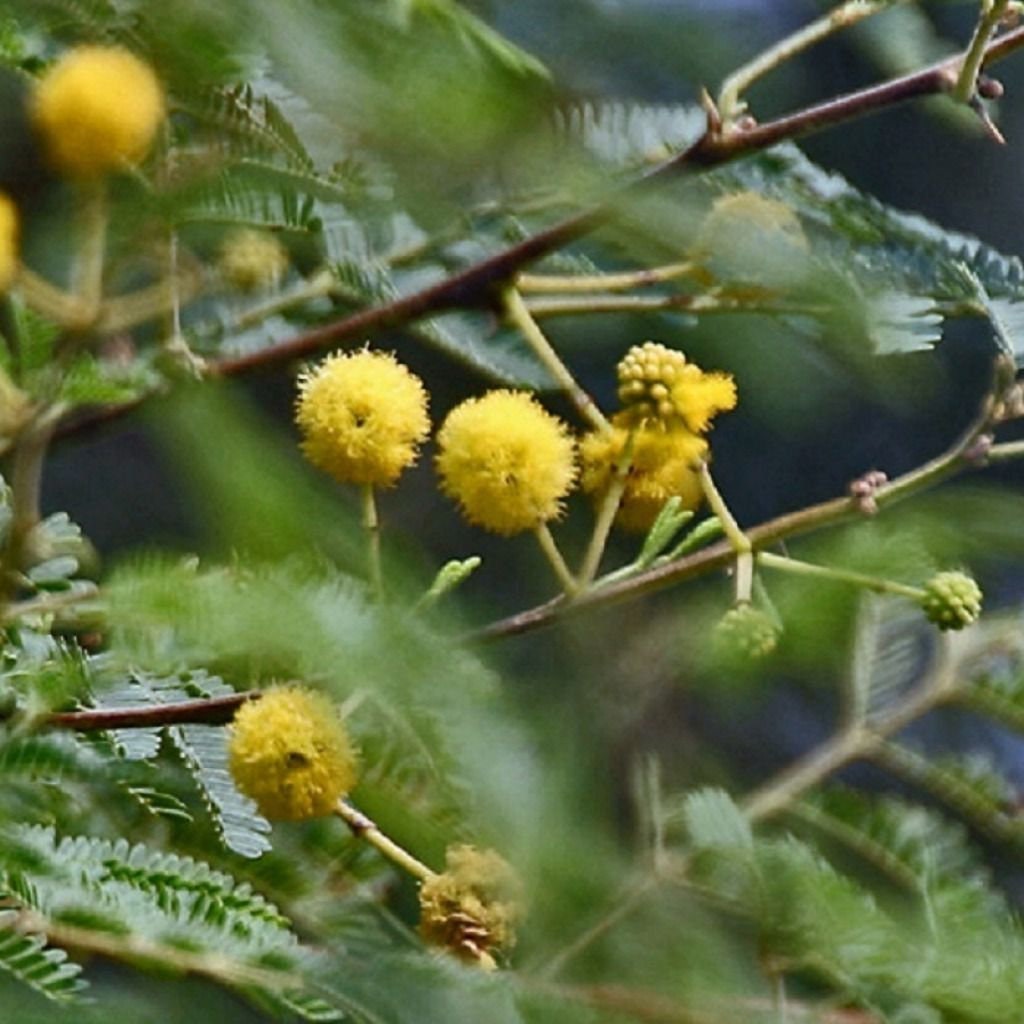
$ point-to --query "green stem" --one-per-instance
(55, 304)
(547, 544)
(778, 793)
(967, 81)
(606, 513)
(737, 539)
(520, 317)
(633, 894)
(319, 286)
(576, 283)
(371, 524)
(704, 304)
(790, 524)
(1005, 452)
(137, 948)
(26, 485)
(363, 828)
(729, 103)
(87, 272)
(855, 742)
(858, 579)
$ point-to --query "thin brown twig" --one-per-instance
(211, 711)
(477, 285)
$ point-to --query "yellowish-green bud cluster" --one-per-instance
(646, 374)
(252, 260)
(745, 633)
(952, 600)
(97, 110)
(289, 751)
(473, 907)
(668, 404)
(657, 384)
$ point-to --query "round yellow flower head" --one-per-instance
(252, 260)
(363, 416)
(750, 211)
(748, 237)
(289, 750)
(665, 464)
(8, 241)
(97, 110)
(657, 383)
(506, 460)
(473, 907)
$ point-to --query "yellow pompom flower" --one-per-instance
(289, 750)
(97, 110)
(473, 907)
(363, 416)
(8, 241)
(665, 464)
(507, 461)
(657, 383)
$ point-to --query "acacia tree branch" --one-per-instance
(969, 451)
(476, 285)
(210, 711)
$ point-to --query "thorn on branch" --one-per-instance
(708, 105)
(988, 124)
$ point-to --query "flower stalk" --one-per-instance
(875, 584)
(521, 318)
(558, 284)
(366, 829)
(730, 105)
(966, 85)
(607, 510)
(371, 526)
(568, 582)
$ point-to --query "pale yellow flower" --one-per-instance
(507, 461)
(665, 464)
(97, 110)
(290, 752)
(473, 907)
(363, 416)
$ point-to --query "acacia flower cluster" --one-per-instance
(363, 416)
(507, 461)
(473, 907)
(291, 753)
(667, 406)
(97, 110)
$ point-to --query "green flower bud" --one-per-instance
(745, 633)
(951, 600)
